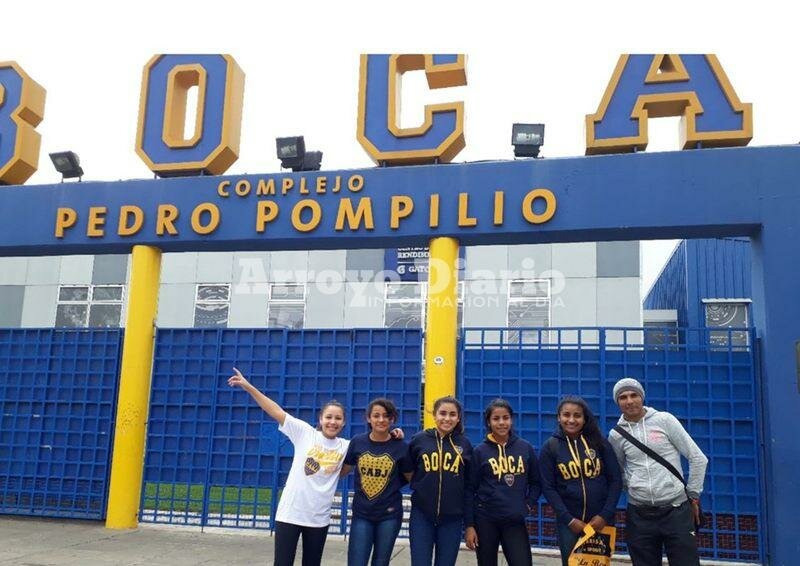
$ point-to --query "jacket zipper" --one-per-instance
(439, 444)
(577, 460)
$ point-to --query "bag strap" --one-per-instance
(650, 452)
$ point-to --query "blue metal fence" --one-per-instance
(712, 390)
(212, 456)
(214, 459)
(58, 391)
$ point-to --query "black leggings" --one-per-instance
(512, 535)
(286, 536)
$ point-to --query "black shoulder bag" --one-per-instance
(661, 460)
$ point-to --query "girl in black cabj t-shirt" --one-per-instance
(380, 462)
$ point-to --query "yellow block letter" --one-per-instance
(97, 219)
(165, 219)
(267, 212)
(213, 220)
(364, 212)
(464, 220)
(125, 212)
(401, 207)
(316, 215)
(550, 206)
(65, 218)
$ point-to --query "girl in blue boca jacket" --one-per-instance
(505, 478)
(441, 458)
(580, 475)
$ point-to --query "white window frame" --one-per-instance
(295, 302)
(745, 302)
(666, 328)
(198, 301)
(422, 300)
(91, 301)
(513, 337)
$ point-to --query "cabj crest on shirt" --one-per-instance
(375, 473)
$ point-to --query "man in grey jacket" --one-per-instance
(659, 513)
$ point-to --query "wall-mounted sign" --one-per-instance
(641, 87)
(412, 264)
(21, 110)
(511, 202)
(438, 139)
(160, 139)
(694, 87)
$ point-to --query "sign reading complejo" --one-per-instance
(186, 204)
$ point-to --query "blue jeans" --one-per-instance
(425, 535)
(566, 541)
(375, 537)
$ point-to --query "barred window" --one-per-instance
(93, 306)
(287, 305)
(212, 305)
(405, 302)
(404, 305)
(661, 333)
(726, 313)
(528, 307)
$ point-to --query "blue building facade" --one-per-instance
(705, 283)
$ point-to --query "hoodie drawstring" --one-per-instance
(577, 459)
(459, 459)
(501, 454)
(440, 450)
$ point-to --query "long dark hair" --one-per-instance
(459, 428)
(497, 404)
(591, 430)
(388, 406)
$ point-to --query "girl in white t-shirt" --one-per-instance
(305, 505)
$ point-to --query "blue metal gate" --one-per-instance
(58, 392)
(711, 389)
(213, 458)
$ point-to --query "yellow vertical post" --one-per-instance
(441, 324)
(134, 390)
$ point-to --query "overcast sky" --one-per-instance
(542, 63)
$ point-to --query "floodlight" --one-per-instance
(68, 164)
(527, 139)
(312, 161)
(293, 155)
(291, 151)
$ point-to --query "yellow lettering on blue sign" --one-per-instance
(180, 79)
(401, 206)
(125, 227)
(441, 135)
(214, 145)
(694, 87)
(65, 218)
(21, 110)
(297, 215)
(354, 218)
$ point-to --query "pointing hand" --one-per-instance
(237, 379)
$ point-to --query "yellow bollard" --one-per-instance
(441, 326)
(134, 390)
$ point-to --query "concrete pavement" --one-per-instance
(28, 541)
